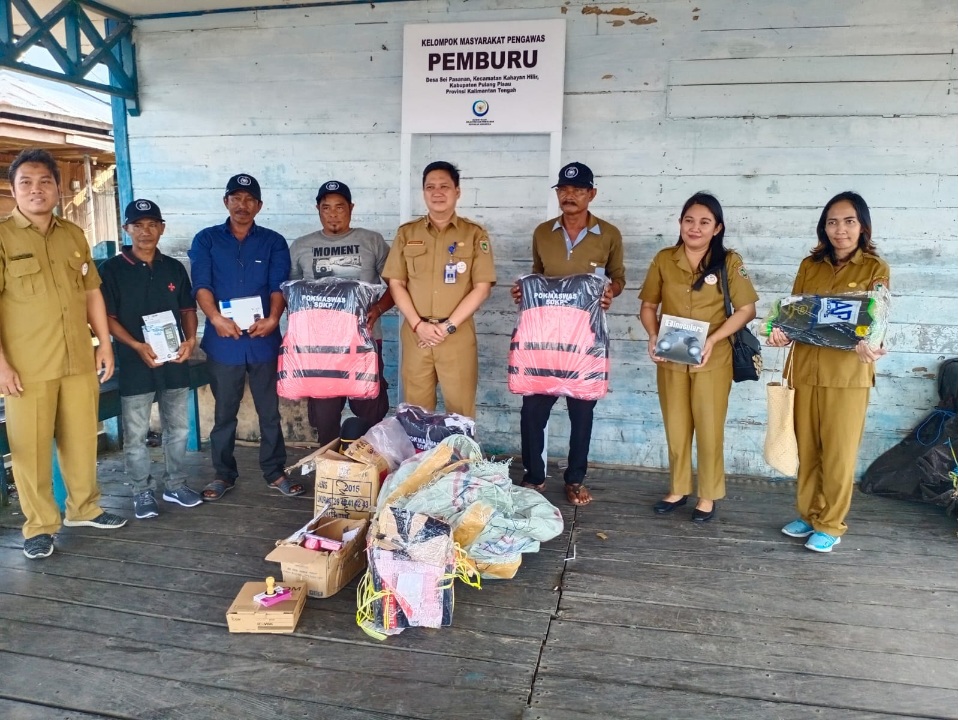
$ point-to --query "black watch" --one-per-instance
(450, 328)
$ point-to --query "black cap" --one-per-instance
(577, 175)
(139, 209)
(334, 187)
(244, 183)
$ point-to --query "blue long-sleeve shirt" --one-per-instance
(229, 269)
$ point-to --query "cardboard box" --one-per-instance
(361, 451)
(246, 615)
(349, 486)
(324, 573)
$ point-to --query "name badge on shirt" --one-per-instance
(449, 277)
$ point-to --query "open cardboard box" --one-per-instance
(350, 486)
(324, 573)
(246, 615)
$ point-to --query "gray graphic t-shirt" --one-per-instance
(359, 254)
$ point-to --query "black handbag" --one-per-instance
(746, 349)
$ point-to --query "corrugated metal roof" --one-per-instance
(35, 97)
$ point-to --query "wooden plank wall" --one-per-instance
(774, 106)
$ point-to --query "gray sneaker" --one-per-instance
(185, 496)
(39, 546)
(144, 505)
(104, 521)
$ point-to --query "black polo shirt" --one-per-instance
(132, 289)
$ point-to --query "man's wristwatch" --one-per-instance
(450, 328)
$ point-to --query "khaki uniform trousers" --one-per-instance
(65, 409)
(696, 403)
(454, 363)
(829, 423)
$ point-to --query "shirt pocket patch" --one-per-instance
(464, 251)
(76, 273)
(28, 277)
(417, 260)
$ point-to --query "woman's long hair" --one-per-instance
(714, 259)
(824, 249)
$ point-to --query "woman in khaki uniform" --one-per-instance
(685, 280)
(831, 385)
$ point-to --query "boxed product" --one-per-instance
(351, 487)
(681, 339)
(246, 615)
(325, 554)
(161, 333)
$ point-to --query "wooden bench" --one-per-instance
(110, 411)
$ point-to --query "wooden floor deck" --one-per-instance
(626, 615)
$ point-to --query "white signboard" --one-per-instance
(489, 77)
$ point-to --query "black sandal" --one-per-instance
(288, 487)
(217, 489)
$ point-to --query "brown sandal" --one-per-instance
(578, 494)
(532, 486)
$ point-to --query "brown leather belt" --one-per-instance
(434, 321)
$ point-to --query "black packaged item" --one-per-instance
(948, 385)
(412, 565)
(938, 470)
(426, 429)
(837, 321)
(895, 473)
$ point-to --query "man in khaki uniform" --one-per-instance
(49, 291)
(573, 243)
(440, 270)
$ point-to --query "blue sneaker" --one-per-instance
(185, 496)
(822, 542)
(798, 528)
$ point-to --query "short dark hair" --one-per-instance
(442, 165)
(34, 155)
(824, 248)
(714, 259)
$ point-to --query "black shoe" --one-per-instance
(662, 506)
(700, 516)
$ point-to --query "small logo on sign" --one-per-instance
(143, 205)
(571, 172)
(244, 180)
(480, 108)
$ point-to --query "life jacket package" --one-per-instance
(560, 344)
(426, 429)
(838, 321)
(327, 351)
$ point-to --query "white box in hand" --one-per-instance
(243, 311)
(162, 334)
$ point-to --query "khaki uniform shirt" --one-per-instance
(43, 285)
(669, 283)
(419, 256)
(600, 248)
(831, 367)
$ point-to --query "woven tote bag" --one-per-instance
(781, 447)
